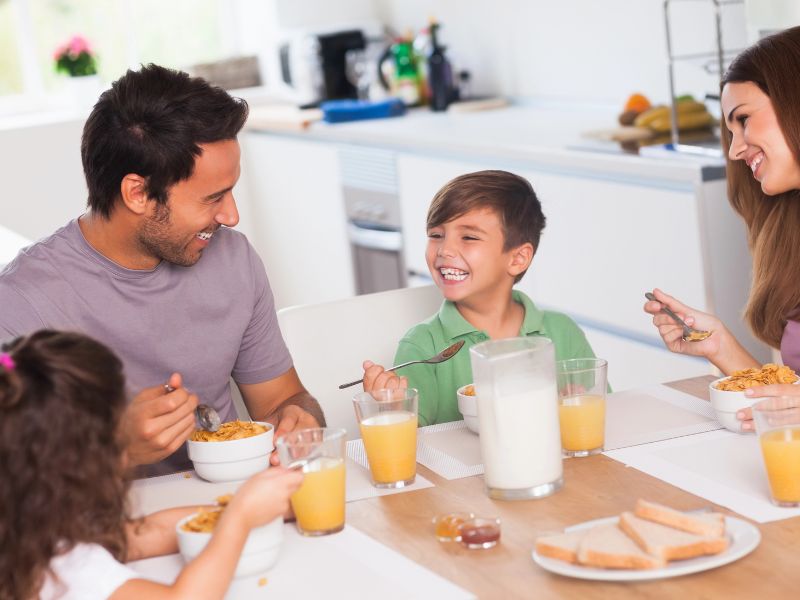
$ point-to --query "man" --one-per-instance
(153, 271)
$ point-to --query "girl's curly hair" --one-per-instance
(63, 482)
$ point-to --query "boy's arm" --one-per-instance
(420, 377)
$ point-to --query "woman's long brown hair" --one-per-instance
(773, 222)
(61, 475)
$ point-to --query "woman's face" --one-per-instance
(757, 139)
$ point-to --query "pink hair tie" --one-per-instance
(7, 362)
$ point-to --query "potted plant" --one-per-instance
(76, 59)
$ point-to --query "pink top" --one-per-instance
(790, 345)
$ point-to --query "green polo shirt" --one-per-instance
(437, 384)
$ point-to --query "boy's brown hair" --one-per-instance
(510, 196)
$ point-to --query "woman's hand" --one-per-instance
(776, 390)
(672, 333)
(378, 378)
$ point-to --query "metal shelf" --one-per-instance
(719, 57)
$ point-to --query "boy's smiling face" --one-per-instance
(466, 259)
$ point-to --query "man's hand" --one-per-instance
(158, 422)
(290, 418)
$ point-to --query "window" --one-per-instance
(122, 33)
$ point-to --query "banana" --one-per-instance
(686, 121)
(660, 112)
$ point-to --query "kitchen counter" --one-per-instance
(544, 138)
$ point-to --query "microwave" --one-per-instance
(314, 68)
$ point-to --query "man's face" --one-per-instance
(179, 230)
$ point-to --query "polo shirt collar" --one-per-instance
(455, 326)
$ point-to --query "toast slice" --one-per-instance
(562, 546)
(708, 524)
(606, 546)
(668, 543)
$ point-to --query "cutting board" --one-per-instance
(621, 134)
(282, 117)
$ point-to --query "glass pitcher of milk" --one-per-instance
(515, 383)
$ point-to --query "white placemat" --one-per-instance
(724, 467)
(654, 413)
(348, 564)
(633, 417)
(187, 488)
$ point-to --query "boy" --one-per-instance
(483, 230)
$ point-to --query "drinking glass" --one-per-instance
(582, 405)
(388, 422)
(778, 428)
(319, 502)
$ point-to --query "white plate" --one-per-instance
(743, 536)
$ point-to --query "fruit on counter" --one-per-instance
(637, 103)
(634, 106)
(691, 115)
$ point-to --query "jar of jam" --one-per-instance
(480, 532)
(446, 526)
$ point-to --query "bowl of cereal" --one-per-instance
(237, 450)
(468, 406)
(727, 393)
(260, 551)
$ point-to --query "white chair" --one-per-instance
(329, 341)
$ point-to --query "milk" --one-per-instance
(519, 435)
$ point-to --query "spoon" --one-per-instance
(444, 355)
(206, 416)
(690, 334)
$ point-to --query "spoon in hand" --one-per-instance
(690, 334)
(444, 355)
(206, 416)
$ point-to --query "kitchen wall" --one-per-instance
(574, 50)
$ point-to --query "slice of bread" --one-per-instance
(608, 547)
(668, 543)
(709, 524)
(562, 546)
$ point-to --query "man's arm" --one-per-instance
(284, 402)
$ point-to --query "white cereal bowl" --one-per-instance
(232, 460)
(726, 404)
(468, 407)
(260, 551)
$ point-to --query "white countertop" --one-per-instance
(541, 136)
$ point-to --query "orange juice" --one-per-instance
(319, 503)
(781, 449)
(390, 441)
(582, 420)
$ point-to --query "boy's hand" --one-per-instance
(378, 378)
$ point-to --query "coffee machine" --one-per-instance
(314, 67)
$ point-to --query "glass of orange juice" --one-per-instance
(582, 405)
(319, 502)
(778, 427)
(388, 423)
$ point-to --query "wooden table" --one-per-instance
(594, 487)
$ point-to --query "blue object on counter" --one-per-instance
(340, 111)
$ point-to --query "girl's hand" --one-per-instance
(265, 496)
(672, 333)
(745, 415)
(378, 378)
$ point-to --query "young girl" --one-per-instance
(64, 531)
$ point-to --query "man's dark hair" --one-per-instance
(152, 122)
(510, 196)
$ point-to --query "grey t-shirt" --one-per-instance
(210, 321)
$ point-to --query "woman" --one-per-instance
(761, 134)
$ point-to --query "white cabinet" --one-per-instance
(292, 195)
(607, 241)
